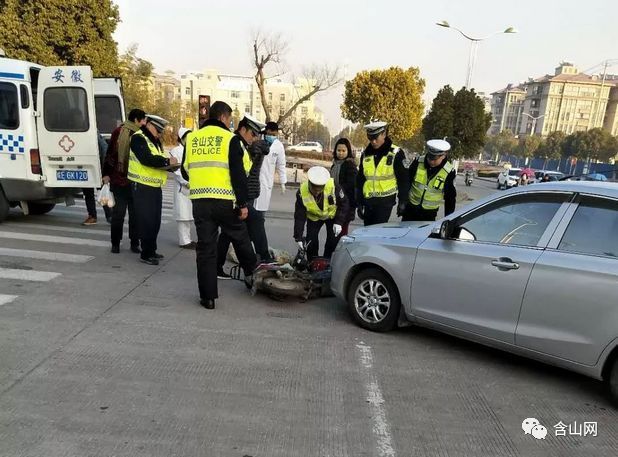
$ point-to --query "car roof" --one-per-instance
(603, 188)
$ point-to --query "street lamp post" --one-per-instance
(534, 119)
(474, 43)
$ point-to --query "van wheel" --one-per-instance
(373, 300)
(4, 206)
(613, 381)
(40, 208)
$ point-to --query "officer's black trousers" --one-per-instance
(147, 201)
(377, 214)
(257, 235)
(209, 215)
(124, 200)
(417, 213)
(313, 230)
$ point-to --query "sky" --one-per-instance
(191, 35)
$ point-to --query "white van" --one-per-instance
(48, 133)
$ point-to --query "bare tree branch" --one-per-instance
(315, 79)
(267, 49)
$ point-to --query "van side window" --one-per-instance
(109, 114)
(65, 109)
(25, 96)
(34, 85)
(9, 112)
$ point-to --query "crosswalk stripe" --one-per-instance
(43, 255)
(58, 228)
(63, 210)
(27, 275)
(5, 299)
(52, 239)
(74, 208)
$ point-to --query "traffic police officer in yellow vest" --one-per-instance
(382, 178)
(216, 165)
(148, 165)
(319, 202)
(432, 179)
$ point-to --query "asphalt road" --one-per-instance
(101, 355)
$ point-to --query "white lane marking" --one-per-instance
(27, 275)
(381, 429)
(6, 299)
(165, 211)
(52, 239)
(58, 228)
(42, 255)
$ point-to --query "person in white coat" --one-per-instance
(183, 209)
(275, 160)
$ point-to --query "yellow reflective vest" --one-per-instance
(314, 212)
(207, 163)
(380, 181)
(429, 194)
(153, 177)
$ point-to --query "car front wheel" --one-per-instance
(373, 300)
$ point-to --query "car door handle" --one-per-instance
(504, 263)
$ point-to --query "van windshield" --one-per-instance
(109, 114)
(66, 109)
(9, 112)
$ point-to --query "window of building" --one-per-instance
(187, 91)
(235, 94)
(282, 97)
(270, 96)
(247, 108)
(304, 111)
(593, 229)
(281, 111)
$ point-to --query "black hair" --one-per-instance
(347, 144)
(136, 114)
(219, 109)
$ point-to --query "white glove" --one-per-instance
(337, 229)
(282, 188)
(300, 244)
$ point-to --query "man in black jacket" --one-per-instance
(382, 177)
(433, 182)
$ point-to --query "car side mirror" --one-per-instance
(444, 231)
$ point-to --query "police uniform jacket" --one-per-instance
(238, 174)
(450, 192)
(401, 174)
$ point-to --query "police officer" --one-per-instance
(319, 202)
(148, 166)
(216, 165)
(382, 177)
(433, 182)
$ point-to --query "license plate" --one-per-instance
(72, 175)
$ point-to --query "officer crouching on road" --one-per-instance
(433, 182)
(382, 176)
(216, 165)
(319, 202)
(148, 166)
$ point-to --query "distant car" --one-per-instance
(306, 146)
(531, 271)
(508, 178)
(553, 175)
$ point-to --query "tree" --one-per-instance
(461, 118)
(504, 143)
(310, 130)
(357, 136)
(528, 146)
(393, 95)
(269, 49)
(470, 123)
(439, 121)
(552, 147)
(136, 74)
(56, 32)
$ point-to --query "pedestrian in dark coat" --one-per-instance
(344, 171)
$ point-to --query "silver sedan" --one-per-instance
(533, 271)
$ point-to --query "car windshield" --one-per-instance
(514, 172)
